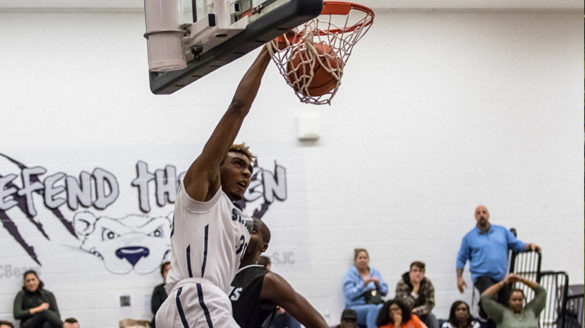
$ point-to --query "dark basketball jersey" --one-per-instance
(248, 311)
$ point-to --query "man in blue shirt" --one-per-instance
(486, 247)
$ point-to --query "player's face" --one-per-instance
(31, 282)
(257, 242)
(236, 171)
(482, 216)
(416, 274)
(516, 302)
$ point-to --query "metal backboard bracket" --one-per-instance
(260, 29)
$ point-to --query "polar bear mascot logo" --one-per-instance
(136, 243)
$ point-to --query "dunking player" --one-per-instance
(256, 291)
(210, 234)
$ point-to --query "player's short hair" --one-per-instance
(71, 320)
(418, 264)
(242, 149)
(264, 261)
(357, 251)
(163, 265)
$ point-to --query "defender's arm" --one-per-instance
(280, 292)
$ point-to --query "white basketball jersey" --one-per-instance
(208, 239)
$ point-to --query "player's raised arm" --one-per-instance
(280, 292)
(203, 179)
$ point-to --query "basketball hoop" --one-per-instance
(311, 57)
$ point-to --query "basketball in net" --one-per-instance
(312, 56)
(314, 77)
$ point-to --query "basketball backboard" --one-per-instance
(219, 32)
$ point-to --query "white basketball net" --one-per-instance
(339, 31)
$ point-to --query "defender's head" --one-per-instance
(259, 240)
(236, 171)
(260, 236)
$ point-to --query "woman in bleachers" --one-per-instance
(515, 314)
(395, 314)
(460, 317)
(363, 288)
(35, 306)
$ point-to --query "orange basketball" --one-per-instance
(299, 70)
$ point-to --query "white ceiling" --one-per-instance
(388, 5)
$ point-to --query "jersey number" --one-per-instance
(243, 245)
(235, 293)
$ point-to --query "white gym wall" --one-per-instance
(438, 111)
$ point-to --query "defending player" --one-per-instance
(210, 234)
(256, 291)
